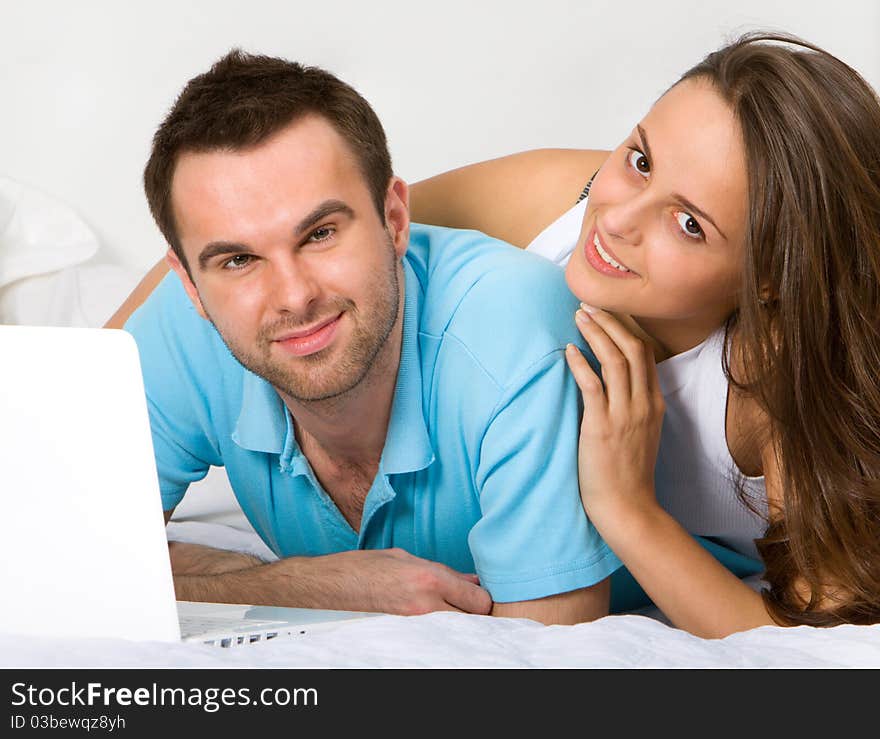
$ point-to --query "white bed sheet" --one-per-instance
(455, 640)
(447, 640)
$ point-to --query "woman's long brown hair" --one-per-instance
(807, 327)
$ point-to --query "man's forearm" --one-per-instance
(197, 559)
(220, 576)
(211, 575)
(290, 582)
(385, 580)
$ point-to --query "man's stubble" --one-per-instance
(313, 378)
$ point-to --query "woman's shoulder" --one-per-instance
(558, 174)
(513, 197)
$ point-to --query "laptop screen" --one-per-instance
(82, 541)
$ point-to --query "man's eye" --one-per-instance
(322, 234)
(639, 162)
(237, 262)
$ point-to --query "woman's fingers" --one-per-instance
(637, 355)
(615, 367)
(587, 380)
(620, 432)
(651, 370)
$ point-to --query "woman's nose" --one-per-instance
(623, 220)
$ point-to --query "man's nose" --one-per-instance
(292, 287)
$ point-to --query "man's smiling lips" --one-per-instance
(310, 340)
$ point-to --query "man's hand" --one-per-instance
(383, 580)
(394, 581)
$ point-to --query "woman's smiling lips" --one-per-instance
(310, 340)
(602, 259)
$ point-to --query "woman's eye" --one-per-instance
(639, 162)
(689, 225)
(237, 262)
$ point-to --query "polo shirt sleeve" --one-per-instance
(183, 443)
(534, 539)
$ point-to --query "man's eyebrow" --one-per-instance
(328, 207)
(219, 248)
(681, 199)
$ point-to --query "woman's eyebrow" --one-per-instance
(680, 199)
(685, 203)
(644, 138)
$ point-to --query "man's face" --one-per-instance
(289, 259)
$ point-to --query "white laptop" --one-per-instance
(83, 551)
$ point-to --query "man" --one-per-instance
(392, 405)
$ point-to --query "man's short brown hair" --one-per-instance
(242, 101)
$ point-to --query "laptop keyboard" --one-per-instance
(259, 630)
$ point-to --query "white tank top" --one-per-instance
(696, 477)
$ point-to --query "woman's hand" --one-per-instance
(620, 430)
(620, 437)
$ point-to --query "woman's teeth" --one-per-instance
(606, 256)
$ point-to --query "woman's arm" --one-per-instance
(511, 198)
(620, 437)
(693, 590)
(140, 293)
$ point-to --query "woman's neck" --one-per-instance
(667, 338)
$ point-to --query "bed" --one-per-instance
(54, 272)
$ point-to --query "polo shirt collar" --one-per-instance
(408, 444)
(264, 425)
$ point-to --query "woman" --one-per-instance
(737, 230)
(728, 257)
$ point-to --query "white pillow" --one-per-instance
(81, 295)
(49, 275)
(38, 234)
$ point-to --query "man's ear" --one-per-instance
(397, 214)
(181, 271)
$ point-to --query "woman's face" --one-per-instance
(663, 235)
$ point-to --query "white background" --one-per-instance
(84, 84)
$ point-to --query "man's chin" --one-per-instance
(315, 395)
(314, 384)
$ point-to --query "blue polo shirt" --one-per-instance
(479, 468)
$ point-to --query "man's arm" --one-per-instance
(387, 580)
(197, 559)
(383, 580)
